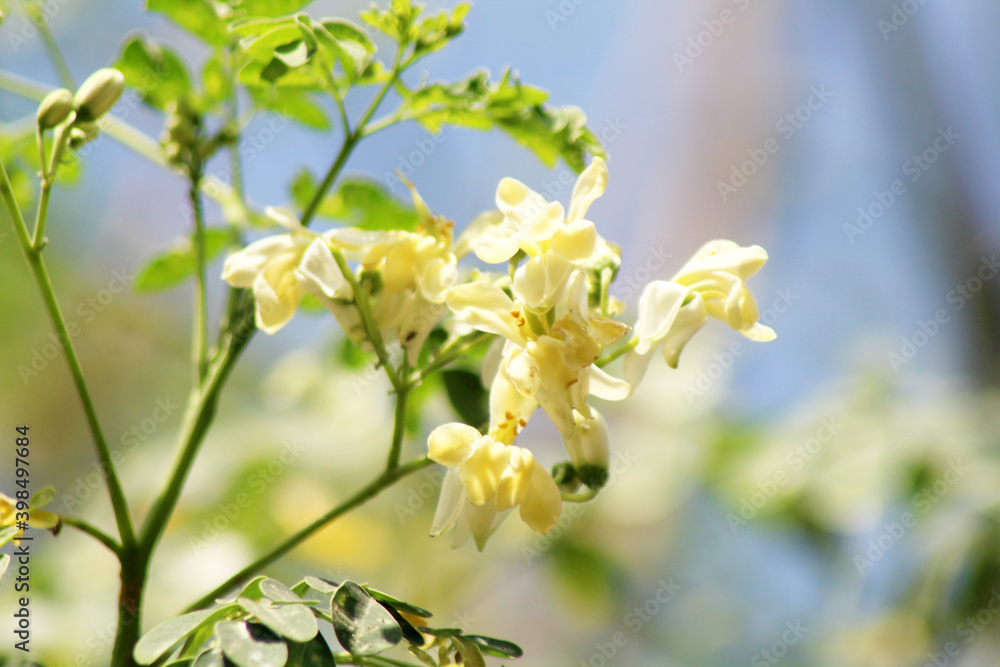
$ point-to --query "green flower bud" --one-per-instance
(82, 134)
(54, 109)
(98, 94)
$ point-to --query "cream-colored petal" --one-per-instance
(515, 482)
(575, 240)
(483, 522)
(486, 307)
(689, 319)
(319, 272)
(450, 503)
(636, 365)
(518, 202)
(607, 386)
(278, 293)
(497, 244)
(285, 217)
(658, 308)
(542, 506)
(481, 472)
(438, 277)
(541, 280)
(468, 239)
(452, 444)
(242, 268)
(523, 372)
(589, 186)
(760, 333)
(591, 441)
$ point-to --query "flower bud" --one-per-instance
(83, 133)
(98, 94)
(54, 109)
(589, 449)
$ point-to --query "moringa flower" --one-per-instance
(488, 476)
(536, 226)
(282, 269)
(37, 518)
(712, 283)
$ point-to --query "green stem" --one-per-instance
(624, 349)
(376, 486)
(93, 531)
(363, 304)
(449, 354)
(33, 255)
(199, 415)
(350, 141)
(200, 344)
(581, 497)
(65, 76)
(399, 423)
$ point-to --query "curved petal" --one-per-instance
(452, 444)
(242, 268)
(658, 307)
(689, 319)
(285, 217)
(541, 280)
(481, 472)
(486, 307)
(319, 272)
(589, 186)
(450, 503)
(607, 386)
(469, 237)
(575, 240)
(278, 293)
(760, 333)
(497, 245)
(636, 365)
(543, 504)
(515, 482)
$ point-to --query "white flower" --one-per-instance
(533, 225)
(712, 283)
(486, 478)
(282, 269)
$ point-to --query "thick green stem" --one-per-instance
(376, 486)
(200, 344)
(34, 256)
(135, 565)
(199, 416)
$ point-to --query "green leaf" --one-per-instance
(42, 498)
(467, 395)
(177, 264)
(158, 73)
(201, 634)
(387, 599)
(496, 647)
(251, 644)
(315, 653)
(271, 7)
(7, 534)
(202, 18)
(423, 656)
(296, 104)
(277, 591)
(4, 564)
(362, 625)
(410, 633)
(293, 621)
(162, 637)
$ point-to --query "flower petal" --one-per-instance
(452, 444)
(450, 503)
(658, 307)
(607, 386)
(515, 482)
(589, 186)
(543, 504)
(319, 272)
(481, 472)
(486, 307)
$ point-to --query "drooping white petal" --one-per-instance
(468, 239)
(589, 186)
(450, 503)
(607, 386)
(658, 307)
(319, 272)
(760, 333)
(690, 318)
(542, 279)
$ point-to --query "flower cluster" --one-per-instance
(551, 314)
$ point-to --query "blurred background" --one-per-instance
(829, 498)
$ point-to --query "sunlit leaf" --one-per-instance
(362, 625)
(155, 71)
(202, 18)
(293, 621)
(251, 644)
(162, 637)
